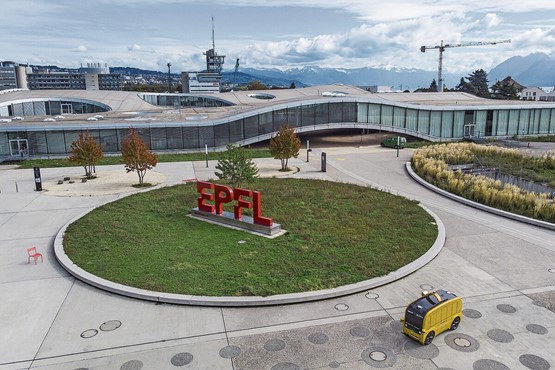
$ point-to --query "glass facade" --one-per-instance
(434, 124)
(52, 108)
(183, 100)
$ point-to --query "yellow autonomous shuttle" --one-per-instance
(432, 314)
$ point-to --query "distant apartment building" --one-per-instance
(200, 82)
(93, 77)
(538, 94)
(12, 76)
(208, 81)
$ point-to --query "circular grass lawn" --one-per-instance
(338, 234)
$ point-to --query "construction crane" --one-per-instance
(442, 48)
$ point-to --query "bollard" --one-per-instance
(323, 160)
(38, 181)
(307, 154)
(206, 154)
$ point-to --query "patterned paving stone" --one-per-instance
(396, 326)
(506, 308)
(544, 299)
(274, 345)
(182, 359)
(379, 357)
(285, 366)
(318, 338)
(230, 352)
(417, 350)
(500, 335)
(471, 314)
(539, 303)
(359, 331)
(537, 329)
(132, 365)
(334, 364)
(489, 365)
(462, 342)
(534, 362)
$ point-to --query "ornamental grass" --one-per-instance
(432, 164)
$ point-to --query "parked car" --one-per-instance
(394, 142)
(432, 314)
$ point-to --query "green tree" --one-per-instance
(433, 86)
(506, 89)
(85, 152)
(236, 166)
(136, 155)
(464, 86)
(477, 84)
(284, 145)
(256, 85)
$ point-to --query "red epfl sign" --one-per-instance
(220, 194)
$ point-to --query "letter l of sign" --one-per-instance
(257, 210)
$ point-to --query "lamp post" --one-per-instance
(169, 78)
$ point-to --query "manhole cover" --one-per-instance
(89, 333)
(462, 342)
(552, 270)
(110, 325)
(426, 287)
(341, 307)
(378, 356)
(371, 295)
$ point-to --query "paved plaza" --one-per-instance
(504, 271)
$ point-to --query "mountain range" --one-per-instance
(537, 69)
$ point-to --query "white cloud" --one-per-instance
(134, 47)
(492, 20)
(80, 49)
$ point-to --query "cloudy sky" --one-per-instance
(273, 33)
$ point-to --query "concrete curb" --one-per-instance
(528, 220)
(112, 287)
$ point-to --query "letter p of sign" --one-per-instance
(224, 194)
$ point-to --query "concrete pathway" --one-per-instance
(504, 270)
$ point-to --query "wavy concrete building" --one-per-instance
(44, 123)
